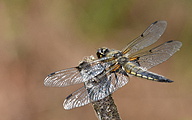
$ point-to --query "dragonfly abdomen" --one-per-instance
(152, 76)
(137, 71)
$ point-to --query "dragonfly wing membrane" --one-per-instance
(121, 79)
(148, 37)
(157, 55)
(107, 84)
(77, 99)
(63, 78)
(86, 70)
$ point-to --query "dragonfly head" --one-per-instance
(102, 52)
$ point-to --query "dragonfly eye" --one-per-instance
(102, 52)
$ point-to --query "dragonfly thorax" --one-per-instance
(111, 54)
(123, 60)
(114, 54)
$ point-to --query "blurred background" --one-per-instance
(38, 37)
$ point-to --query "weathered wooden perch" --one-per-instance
(106, 109)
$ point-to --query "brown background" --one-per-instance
(38, 37)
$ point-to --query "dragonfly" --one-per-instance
(112, 68)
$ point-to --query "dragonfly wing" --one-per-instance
(106, 84)
(76, 99)
(119, 79)
(89, 71)
(85, 71)
(148, 37)
(157, 55)
(63, 78)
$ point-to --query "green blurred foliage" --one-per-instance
(17, 11)
(100, 17)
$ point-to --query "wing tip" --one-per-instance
(46, 82)
(178, 44)
(160, 21)
(65, 106)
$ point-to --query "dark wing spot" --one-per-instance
(68, 97)
(141, 35)
(51, 74)
(150, 51)
(169, 41)
(155, 22)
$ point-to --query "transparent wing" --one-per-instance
(85, 71)
(90, 72)
(119, 79)
(148, 37)
(76, 99)
(157, 55)
(106, 84)
(63, 78)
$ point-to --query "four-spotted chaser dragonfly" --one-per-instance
(112, 69)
